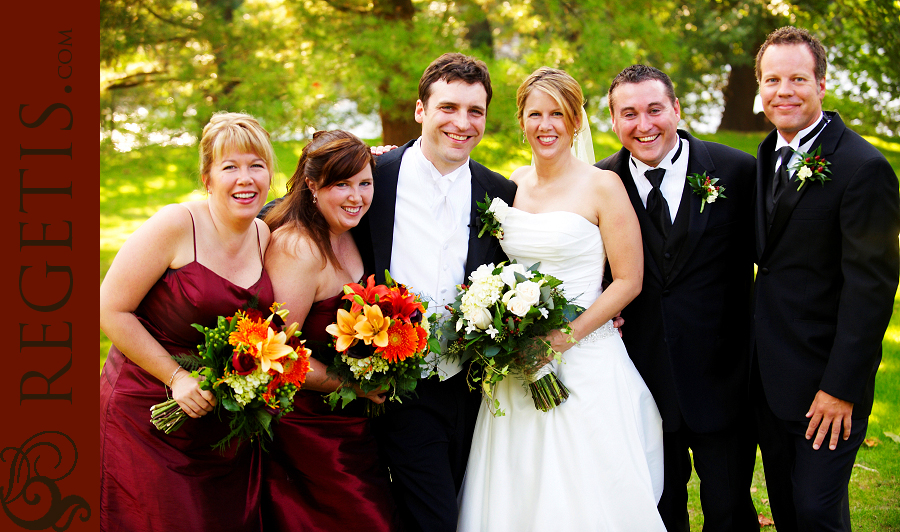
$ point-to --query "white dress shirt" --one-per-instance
(672, 186)
(795, 142)
(431, 232)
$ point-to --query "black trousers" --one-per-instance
(808, 489)
(425, 442)
(724, 462)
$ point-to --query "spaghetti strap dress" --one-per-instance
(152, 481)
(323, 472)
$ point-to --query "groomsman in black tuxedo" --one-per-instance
(827, 256)
(688, 331)
(422, 226)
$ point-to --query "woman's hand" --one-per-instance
(559, 341)
(376, 396)
(186, 391)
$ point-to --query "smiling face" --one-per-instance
(544, 123)
(645, 120)
(345, 202)
(238, 182)
(791, 96)
(452, 121)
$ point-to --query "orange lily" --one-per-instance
(369, 295)
(373, 328)
(271, 349)
(343, 330)
(404, 303)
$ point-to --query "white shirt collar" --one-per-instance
(795, 142)
(667, 161)
(428, 167)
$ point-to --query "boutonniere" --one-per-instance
(492, 213)
(811, 167)
(705, 186)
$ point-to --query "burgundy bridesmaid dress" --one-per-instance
(151, 481)
(323, 472)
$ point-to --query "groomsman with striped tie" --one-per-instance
(827, 223)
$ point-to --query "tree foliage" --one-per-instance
(301, 65)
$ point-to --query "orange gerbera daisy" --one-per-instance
(294, 370)
(423, 339)
(402, 342)
(249, 332)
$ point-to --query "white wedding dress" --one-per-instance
(594, 463)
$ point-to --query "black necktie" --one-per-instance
(657, 207)
(783, 175)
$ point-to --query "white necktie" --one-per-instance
(444, 208)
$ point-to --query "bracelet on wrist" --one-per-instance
(172, 379)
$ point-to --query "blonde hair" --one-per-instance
(234, 132)
(560, 86)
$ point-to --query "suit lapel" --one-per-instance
(699, 161)
(790, 197)
(764, 171)
(381, 212)
(653, 241)
(479, 248)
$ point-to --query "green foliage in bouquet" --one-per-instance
(382, 336)
(253, 366)
(498, 322)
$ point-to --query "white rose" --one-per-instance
(712, 197)
(518, 306)
(529, 291)
(482, 272)
(498, 208)
(804, 172)
(479, 317)
(508, 273)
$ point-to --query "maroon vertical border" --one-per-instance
(49, 267)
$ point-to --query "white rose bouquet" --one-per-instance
(499, 320)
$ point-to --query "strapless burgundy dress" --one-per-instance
(323, 473)
(151, 481)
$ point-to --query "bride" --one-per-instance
(595, 462)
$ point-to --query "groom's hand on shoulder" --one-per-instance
(381, 150)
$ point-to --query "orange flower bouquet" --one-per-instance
(382, 337)
(254, 366)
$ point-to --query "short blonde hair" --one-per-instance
(560, 86)
(234, 132)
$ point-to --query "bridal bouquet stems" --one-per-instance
(499, 321)
(253, 366)
(382, 337)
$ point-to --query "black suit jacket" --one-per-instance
(828, 269)
(375, 232)
(688, 330)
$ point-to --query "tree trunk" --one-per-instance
(399, 131)
(740, 94)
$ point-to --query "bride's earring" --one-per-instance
(315, 199)
(523, 136)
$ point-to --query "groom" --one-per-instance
(688, 330)
(827, 254)
(422, 226)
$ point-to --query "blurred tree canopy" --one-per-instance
(299, 65)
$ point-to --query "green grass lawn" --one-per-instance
(135, 185)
